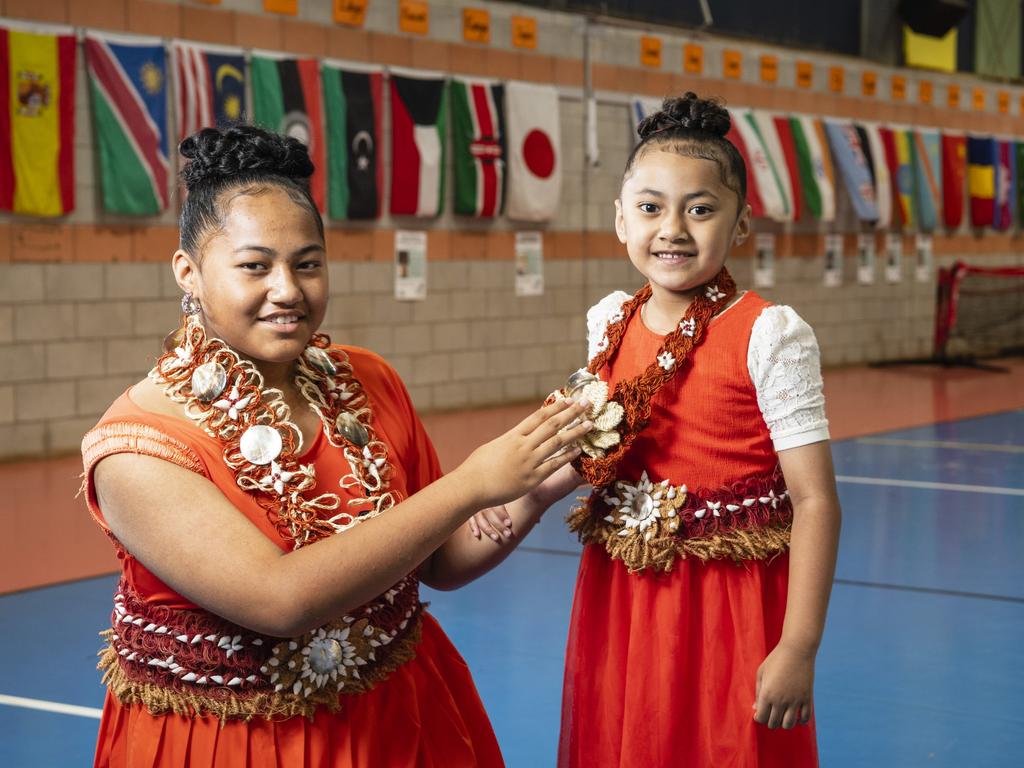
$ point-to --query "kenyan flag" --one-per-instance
(286, 99)
(478, 145)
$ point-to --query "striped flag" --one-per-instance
(954, 169)
(352, 104)
(418, 115)
(892, 162)
(905, 175)
(128, 80)
(785, 134)
(815, 165)
(478, 147)
(753, 197)
(37, 122)
(1006, 181)
(209, 86)
(853, 165)
(927, 178)
(771, 183)
(534, 151)
(981, 179)
(874, 152)
(286, 97)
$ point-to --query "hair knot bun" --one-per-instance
(687, 113)
(218, 154)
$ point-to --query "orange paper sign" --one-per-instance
(978, 99)
(953, 97)
(693, 59)
(351, 13)
(1003, 99)
(804, 74)
(287, 7)
(732, 64)
(868, 83)
(769, 69)
(414, 17)
(524, 32)
(476, 25)
(899, 88)
(650, 51)
(924, 92)
(836, 79)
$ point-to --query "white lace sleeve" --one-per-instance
(598, 318)
(785, 366)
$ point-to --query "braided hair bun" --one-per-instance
(220, 154)
(687, 113)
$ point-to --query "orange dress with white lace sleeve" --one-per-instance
(383, 686)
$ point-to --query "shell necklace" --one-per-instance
(629, 405)
(225, 396)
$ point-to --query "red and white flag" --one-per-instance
(534, 154)
(418, 115)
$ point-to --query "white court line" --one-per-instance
(930, 486)
(997, 447)
(50, 706)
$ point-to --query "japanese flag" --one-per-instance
(534, 154)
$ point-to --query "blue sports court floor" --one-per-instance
(922, 662)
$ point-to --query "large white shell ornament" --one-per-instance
(321, 361)
(208, 381)
(260, 444)
(352, 429)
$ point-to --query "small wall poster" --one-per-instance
(529, 264)
(925, 259)
(865, 259)
(893, 257)
(833, 261)
(764, 260)
(410, 266)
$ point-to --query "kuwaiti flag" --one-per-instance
(534, 154)
(927, 178)
(478, 146)
(773, 191)
(352, 106)
(1006, 181)
(209, 86)
(286, 98)
(981, 179)
(954, 170)
(639, 108)
(905, 186)
(37, 121)
(128, 80)
(418, 115)
(785, 134)
(871, 144)
(753, 196)
(815, 163)
(853, 166)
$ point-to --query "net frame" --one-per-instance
(949, 303)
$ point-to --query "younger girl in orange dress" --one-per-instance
(275, 502)
(712, 529)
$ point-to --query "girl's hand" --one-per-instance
(785, 688)
(493, 522)
(521, 459)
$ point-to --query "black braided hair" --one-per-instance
(693, 127)
(241, 158)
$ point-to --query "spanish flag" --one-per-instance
(37, 122)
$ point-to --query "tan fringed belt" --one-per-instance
(647, 524)
(194, 663)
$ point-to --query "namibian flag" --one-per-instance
(286, 99)
(352, 104)
(478, 147)
(128, 81)
(37, 122)
(209, 84)
(418, 114)
(954, 169)
(1006, 182)
(981, 179)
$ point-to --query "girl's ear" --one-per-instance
(185, 271)
(742, 229)
(620, 224)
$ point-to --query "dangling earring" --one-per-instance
(190, 304)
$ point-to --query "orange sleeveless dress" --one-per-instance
(425, 712)
(661, 666)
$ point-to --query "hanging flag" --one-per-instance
(639, 108)
(766, 128)
(892, 162)
(128, 81)
(954, 168)
(37, 122)
(286, 98)
(753, 197)
(874, 152)
(815, 163)
(1006, 183)
(209, 86)
(774, 196)
(927, 178)
(534, 154)
(981, 179)
(418, 115)
(478, 146)
(905, 175)
(849, 156)
(785, 133)
(352, 106)
(1018, 151)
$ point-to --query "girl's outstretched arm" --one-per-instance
(785, 681)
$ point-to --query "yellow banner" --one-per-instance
(931, 52)
(35, 123)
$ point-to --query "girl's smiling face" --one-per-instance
(678, 220)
